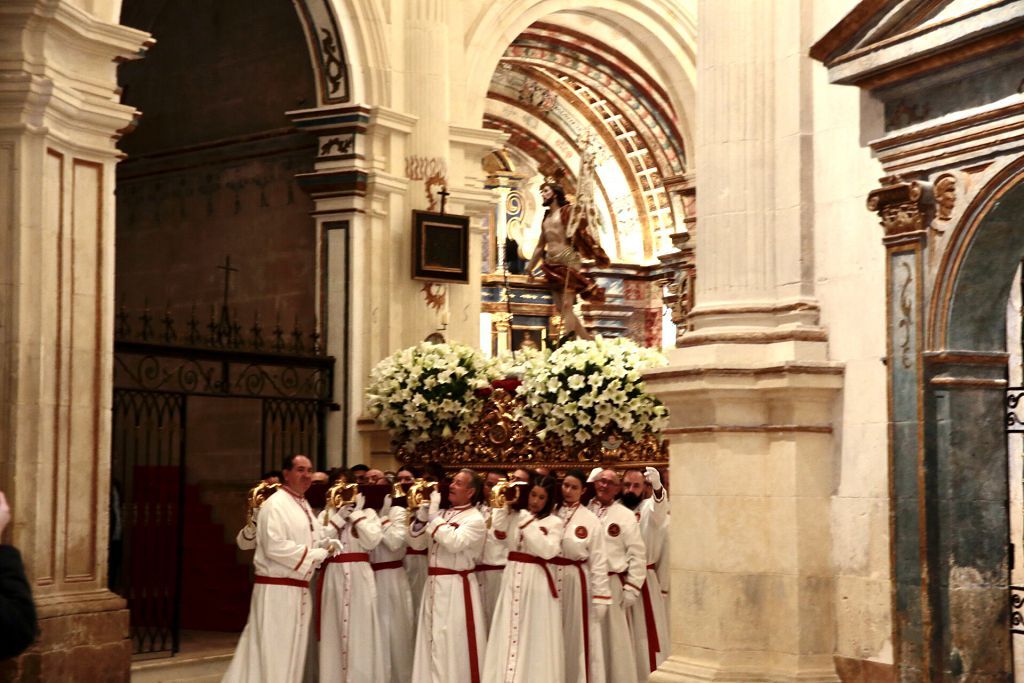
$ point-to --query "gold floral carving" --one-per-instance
(498, 441)
(945, 196)
(904, 207)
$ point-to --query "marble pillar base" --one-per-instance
(82, 638)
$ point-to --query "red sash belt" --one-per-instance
(526, 558)
(337, 559)
(392, 564)
(413, 551)
(275, 581)
(584, 600)
(467, 596)
(341, 558)
(566, 562)
(488, 567)
(653, 644)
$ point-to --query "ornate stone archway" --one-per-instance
(949, 211)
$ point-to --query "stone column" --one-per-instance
(904, 211)
(363, 219)
(750, 389)
(755, 284)
(59, 120)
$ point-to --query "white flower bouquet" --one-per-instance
(507, 364)
(590, 390)
(427, 391)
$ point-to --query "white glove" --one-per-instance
(435, 504)
(629, 596)
(332, 545)
(594, 474)
(249, 530)
(255, 514)
(5, 512)
(386, 507)
(423, 513)
(339, 517)
(600, 611)
(360, 501)
(653, 478)
(317, 556)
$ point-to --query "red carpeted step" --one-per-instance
(215, 587)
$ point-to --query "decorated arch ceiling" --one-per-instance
(562, 82)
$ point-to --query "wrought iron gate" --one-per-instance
(153, 380)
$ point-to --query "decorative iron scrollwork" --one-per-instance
(167, 369)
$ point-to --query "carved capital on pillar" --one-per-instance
(680, 266)
(905, 208)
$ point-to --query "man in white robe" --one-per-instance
(394, 598)
(492, 560)
(351, 641)
(450, 638)
(272, 648)
(415, 561)
(627, 570)
(648, 615)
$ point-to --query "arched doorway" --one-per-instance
(220, 279)
(968, 463)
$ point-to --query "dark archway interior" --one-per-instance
(210, 173)
(977, 316)
(966, 468)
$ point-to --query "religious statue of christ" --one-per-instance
(564, 242)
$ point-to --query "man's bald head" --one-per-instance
(607, 486)
(375, 476)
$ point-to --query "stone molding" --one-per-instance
(64, 84)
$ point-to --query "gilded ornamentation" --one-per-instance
(945, 197)
(498, 441)
(435, 294)
(904, 207)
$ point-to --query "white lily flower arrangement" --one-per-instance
(588, 390)
(508, 364)
(427, 391)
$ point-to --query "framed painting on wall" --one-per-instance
(440, 247)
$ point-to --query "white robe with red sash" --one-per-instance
(490, 567)
(272, 648)
(450, 637)
(582, 575)
(649, 614)
(627, 558)
(351, 647)
(393, 595)
(525, 641)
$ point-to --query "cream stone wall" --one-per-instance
(59, 119)
(850, 284)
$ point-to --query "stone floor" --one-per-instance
(203, 658)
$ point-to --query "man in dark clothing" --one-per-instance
(17, 611)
